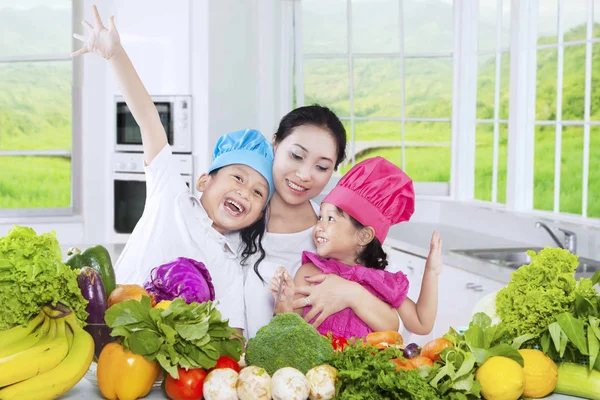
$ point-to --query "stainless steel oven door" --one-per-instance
(130, 199)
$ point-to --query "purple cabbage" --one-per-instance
(185, 278)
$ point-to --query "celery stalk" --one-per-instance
(578, 380)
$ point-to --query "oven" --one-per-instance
(175, 115)
(129, 188)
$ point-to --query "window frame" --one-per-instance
(521, 120)
(441, 189)
(76, 130)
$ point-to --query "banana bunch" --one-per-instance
(46, 358)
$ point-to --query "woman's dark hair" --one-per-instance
(251, 237)
(319, 116)
(372, 256)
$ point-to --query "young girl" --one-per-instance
(354, 221)
(174, 223)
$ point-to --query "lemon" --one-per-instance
(501, 378)
(541, 373)
(163, 305)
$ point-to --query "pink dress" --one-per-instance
(389, 287)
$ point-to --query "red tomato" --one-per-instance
(188, 386)
(227, 362)
(338, 342)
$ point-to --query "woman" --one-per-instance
(309, 145)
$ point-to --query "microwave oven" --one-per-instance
(175, 115)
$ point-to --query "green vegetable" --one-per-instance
(32, 275)
(97, 258)
(185, 335)
(538, 292)
(288, 341)
(577, 380)
(454, 375)
(364, 373)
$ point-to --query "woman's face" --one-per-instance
(303, 163)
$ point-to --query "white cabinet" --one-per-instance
(458, 292)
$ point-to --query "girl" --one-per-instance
(309, 145)
(174, 223)
(354, 221)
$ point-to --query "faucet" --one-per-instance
(570, 242)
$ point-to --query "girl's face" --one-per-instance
(234, 197)
(303, 163)
(336, 236)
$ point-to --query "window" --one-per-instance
(567, 109)
(36, 108)
(385, 67)
(493, 73)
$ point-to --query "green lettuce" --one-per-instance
(540, 291)
(32, 275)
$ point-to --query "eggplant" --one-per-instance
(92, 289)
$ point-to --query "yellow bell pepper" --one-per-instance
(123, 375)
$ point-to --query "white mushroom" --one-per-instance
(220, 384)
(289, 384)
(254, 383)
(322, 382)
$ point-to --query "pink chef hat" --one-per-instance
(376, 193)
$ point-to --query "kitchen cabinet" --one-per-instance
(458, 292)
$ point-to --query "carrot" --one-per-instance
(384, 339)
(421, 361)
(433, 348)
(413, 363)
(403, 364)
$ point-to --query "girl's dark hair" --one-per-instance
(319, 116)
(251, 237)
(372, 256)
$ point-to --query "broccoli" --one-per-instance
(288, 341)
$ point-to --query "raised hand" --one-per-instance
(434, 259)
(101, 40)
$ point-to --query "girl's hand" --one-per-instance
(283, 279)
(328, 295)
(102, 41)
(434, 259)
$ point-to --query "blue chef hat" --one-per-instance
(248, 147)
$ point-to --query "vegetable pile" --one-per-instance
(364, 372)
(32, 275)
(185, 335)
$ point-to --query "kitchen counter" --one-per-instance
(414, 238)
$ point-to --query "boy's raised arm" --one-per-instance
(107, 43)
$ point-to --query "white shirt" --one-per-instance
(282, 249)
(174, 224)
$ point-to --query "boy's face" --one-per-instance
(234, 197)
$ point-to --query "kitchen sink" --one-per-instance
(515, 257)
